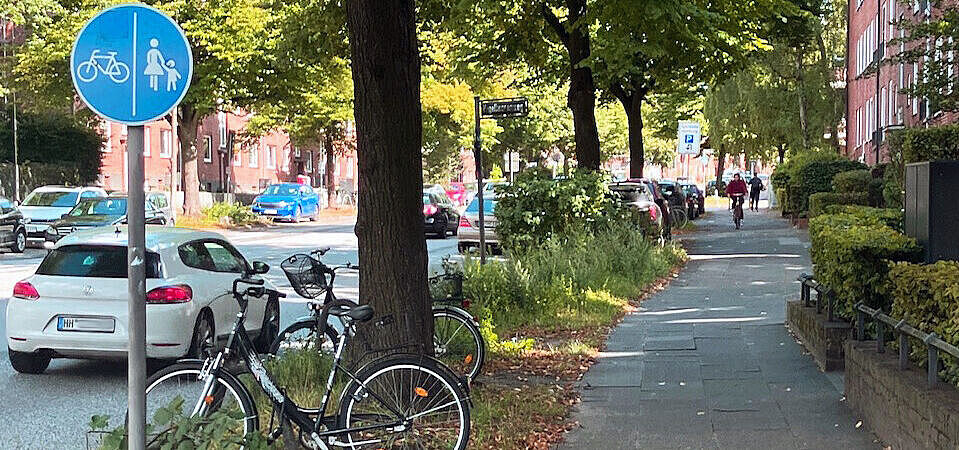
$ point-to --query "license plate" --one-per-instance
(85, 324)
(36, 228)
(269, 211)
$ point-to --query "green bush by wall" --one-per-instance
(887, 216)
(820, 201)
(817, 176)
(852, 181)
(927, 297)
(930, 144)
(850, 254)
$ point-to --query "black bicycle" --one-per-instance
(457, 340)
(400, 400)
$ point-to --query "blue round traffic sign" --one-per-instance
(131, 64)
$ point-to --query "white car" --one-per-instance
(48, 203)
(75, 305)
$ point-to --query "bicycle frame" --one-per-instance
(239, 341)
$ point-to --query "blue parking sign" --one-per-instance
(131, 64)
(689, 139)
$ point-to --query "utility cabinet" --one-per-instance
(932, 208)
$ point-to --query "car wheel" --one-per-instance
(462, 248)
(31, 363)
(442, 229)
(203, 343)
(270, 328)
(20, 242)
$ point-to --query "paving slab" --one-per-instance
(708, 363)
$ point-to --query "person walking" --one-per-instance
(755, 187)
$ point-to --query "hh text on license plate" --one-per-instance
(270, 212)
(88, 324)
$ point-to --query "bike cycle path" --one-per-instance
(707, 363)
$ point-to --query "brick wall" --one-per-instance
(897, 405)
(823, 339)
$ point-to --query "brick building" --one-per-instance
(247, 168)
(873, 108)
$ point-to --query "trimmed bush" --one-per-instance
(930, 144)
(852, 181)
(927, 296)
(892, 196)
(886, 216)
(238, 214)
(819, 201)
(786, 175)
(850, 254)
(814, 177)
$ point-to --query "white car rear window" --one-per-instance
(94, 261)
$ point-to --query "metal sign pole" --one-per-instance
(478, 157)
(136, 288)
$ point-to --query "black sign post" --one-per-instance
(490, 109)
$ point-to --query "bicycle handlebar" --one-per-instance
(320, 251)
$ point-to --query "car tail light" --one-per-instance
(25, 291)
(429, 210)
(652, 213)
(180, 293)
(464, 222)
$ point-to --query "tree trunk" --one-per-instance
(633, 104)
(188, 124)
(782, 153)
(389, 126)
(330, 167)
(803, 123)
(720, 164)
(581, 98)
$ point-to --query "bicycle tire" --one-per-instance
(392, 370)
(679, 218)
(298, 326)
(190, 371)
(469, 364)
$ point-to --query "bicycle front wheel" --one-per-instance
(405, 401)
(679, 218)
(178, 390)
(458, 342)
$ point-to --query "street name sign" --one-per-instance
(689, 136)
(506, 107)
(131, 64)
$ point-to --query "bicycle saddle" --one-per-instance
(361, 313)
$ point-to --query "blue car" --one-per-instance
(290, 201)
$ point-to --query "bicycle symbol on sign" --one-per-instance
(88, 70)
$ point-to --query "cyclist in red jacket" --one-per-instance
(737, 190)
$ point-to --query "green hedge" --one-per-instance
(886, 216)
(817, 176)
(927, 297)
(819, 201)
(850, 254)
(892, 195)
(930, 144)
(852, 181)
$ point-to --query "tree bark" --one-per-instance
(633, 105)
(720, 164)
(389, 126)
(188, 124)
(803, 123)
(581, 98)
(330, 167)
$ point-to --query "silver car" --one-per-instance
(469, 225)
(48, 203)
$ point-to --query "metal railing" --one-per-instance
(809, 284)
(903, 331)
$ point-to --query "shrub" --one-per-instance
(930, 144)
(852, 181)
(892, 190)
(927, 297)
(238, 214)
(54, 138)
(819, 201)
(814, 177)
(849, 255)
(886, 216)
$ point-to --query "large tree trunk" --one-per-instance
(720, 164)
(803, 122)
(188, 124)
(389, 126)
(633, 105)
(330, 168)
(582, 88)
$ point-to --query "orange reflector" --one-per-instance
(208, 399)
(421, 392)
(469, 359)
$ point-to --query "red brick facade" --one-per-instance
(247, 169)
(870, 107)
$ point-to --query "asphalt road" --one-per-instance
(52, 410)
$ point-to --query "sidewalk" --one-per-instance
(708, 363)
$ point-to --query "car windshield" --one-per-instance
(629, 194)
(281, 189)
(489, 205)
(100, 207)
(94, 261)
(62, 199)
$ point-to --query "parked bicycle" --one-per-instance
(457, 340)
(406, 401)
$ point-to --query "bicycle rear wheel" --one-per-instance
(435, 412)
(178, 390)
(458, 342)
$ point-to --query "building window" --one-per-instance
(883, 102)
(270, 156)
(207, 149)
(309, 162)
(286, 159)
(146, 141)
(108, 142)
(254, 154)
(221, 127)
(166, 143)
(237, 157)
